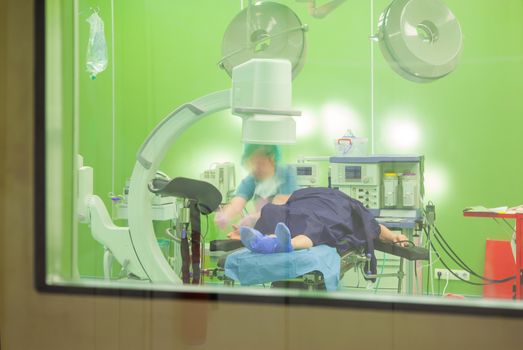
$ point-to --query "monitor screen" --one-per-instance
(352, 172)
(304, 171)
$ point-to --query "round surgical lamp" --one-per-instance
(420, 39)
(264, 30)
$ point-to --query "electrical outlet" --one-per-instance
(444, 272)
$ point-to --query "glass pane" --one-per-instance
(172, 162)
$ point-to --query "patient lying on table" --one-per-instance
(315, 216)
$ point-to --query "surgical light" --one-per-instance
(420, 39)
(264, 30)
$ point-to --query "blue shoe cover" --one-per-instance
(256, 242)
(283, 237)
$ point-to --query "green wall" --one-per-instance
(165, 54)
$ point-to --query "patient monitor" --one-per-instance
(307, 174)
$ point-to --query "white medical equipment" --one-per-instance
(223, 177)
(116, 240)
(163, 208)
(420, 39)
(390, 190)
(410, 187)
(307, 174)
(361, 181)
(391, 187)
(261, 96)
(385, 183)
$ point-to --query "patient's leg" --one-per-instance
(301, 242)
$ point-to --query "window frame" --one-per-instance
(40, 233)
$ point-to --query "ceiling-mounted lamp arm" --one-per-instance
(323, 10)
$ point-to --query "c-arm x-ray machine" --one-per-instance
(135, 247)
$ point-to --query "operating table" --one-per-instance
(316, 268)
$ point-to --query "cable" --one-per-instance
(463, 265)
(206, 226)
(444, 264)
(454, 257)
(429, 265)
(453, 252)
(430, 216)
(512, 229)
(427, 246)
(381, 272)
(452, 272)
(439, 281)
(172, 236)
(458, 277)
(202, 252)
(446, 285)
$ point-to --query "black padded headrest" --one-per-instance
(206, 196)
(225, 245)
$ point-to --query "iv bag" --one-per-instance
(96, 61)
